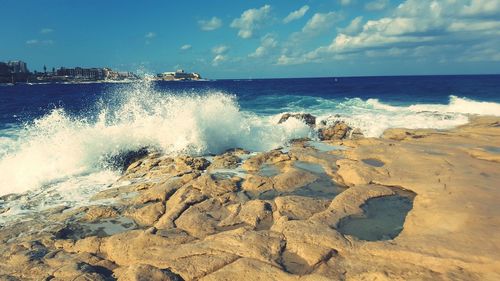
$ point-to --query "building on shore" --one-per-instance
(179, 75)
(14, 71)
(18, 66)
(17, 72)
(82, 73)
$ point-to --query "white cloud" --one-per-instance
(218, 59)
(425, 29)
(46, 30)
(295, 15)
(354, 27)
(33, 42)
(250, 21)
(320, 21)
(220, 49)
(150, 35)
(345, 2)
(267, 43)
(186, 47)
(211, 24)
(482, 8)
(376, 5)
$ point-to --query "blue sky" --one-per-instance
(252, 39)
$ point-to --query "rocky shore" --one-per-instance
(411, 205)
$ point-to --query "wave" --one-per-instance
(456, 105)
(59, 146)
(373, 117)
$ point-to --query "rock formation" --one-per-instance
(187, 218)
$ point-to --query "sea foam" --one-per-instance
(59, 146)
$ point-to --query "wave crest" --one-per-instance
(59, 146)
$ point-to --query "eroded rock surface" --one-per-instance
(180, 218)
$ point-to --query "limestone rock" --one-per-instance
(148, 214)
(159, 192)
(292, 179)
(182, 199)
(339, 130)
(100, 212)
(298, 207)
(274, 156)
(307, 118)
(225, 161)
(211, 186)
(202, 219)
(143, 272)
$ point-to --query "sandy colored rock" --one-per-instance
(225, 161)
(202, 219)
(99, 212)
(300, 208)
(182, 199)
(148, 214)
(257, 184)
(159, 192)
(216, 227)
(210, 186)
(292, 179)
(143, 272)
(274, 156)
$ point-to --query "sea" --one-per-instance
(58, 141)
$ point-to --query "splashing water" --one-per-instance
(59, 146)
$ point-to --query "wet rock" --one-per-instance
(349, 203)
(356, 134)
(225, 161)
(339, 130)
(99, 212)
(124, 160)
(307, 118)
(188, 163)
(271, 157)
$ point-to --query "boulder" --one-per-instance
(308, 119)
(339, 130)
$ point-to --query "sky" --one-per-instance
(256, 39)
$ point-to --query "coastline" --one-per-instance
(192, 218)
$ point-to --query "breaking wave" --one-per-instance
(60, 146)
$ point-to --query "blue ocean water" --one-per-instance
(63, 133)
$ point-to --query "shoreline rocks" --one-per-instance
(188, 218)
(338, 130)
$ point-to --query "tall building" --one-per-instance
(18, 66)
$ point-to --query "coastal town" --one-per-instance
(17, 72)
